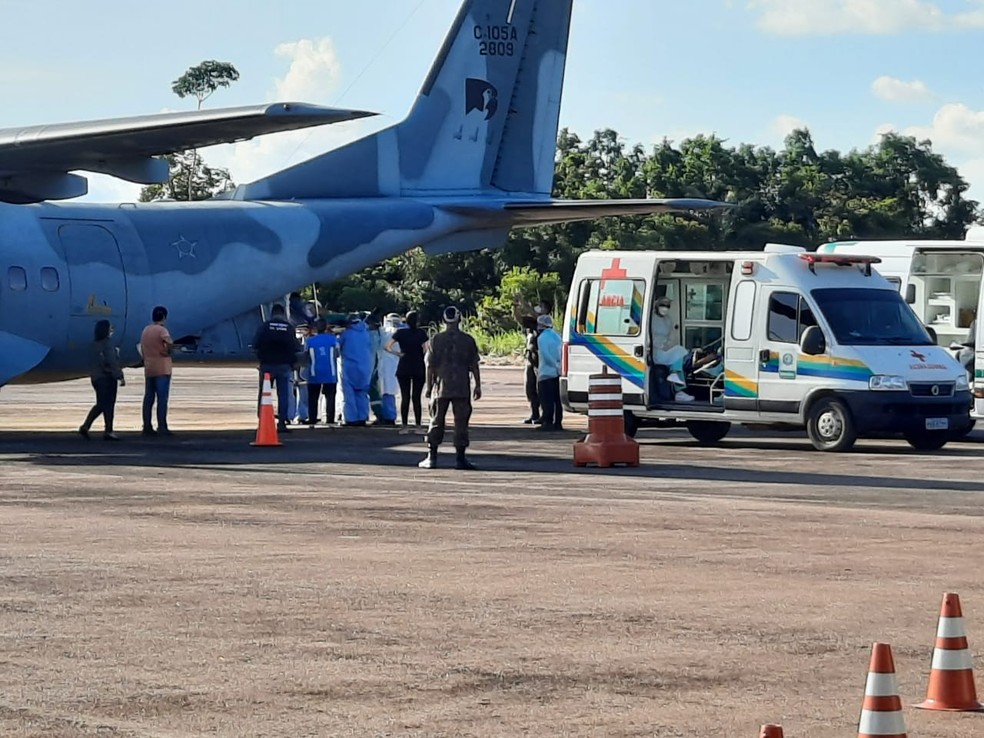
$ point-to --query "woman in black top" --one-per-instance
(410, 372)
(106, 374)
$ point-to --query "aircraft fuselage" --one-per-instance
(65, 266)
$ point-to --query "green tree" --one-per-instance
(897, 188)
(200, 181)
(191, 178)
(519, 289)
(203, 80)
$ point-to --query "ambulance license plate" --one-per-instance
(937, 423)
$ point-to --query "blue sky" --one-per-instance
(747, 70)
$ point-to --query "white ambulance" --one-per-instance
(942, 280)
(775, 338)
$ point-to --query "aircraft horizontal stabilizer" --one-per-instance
(548, 212)
(35, 161)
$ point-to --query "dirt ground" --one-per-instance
(198, 586)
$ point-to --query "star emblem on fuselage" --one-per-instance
(185, 247)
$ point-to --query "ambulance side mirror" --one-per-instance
(812, 342)
(910, 294)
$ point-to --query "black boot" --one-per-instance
(462, 463)
(431, 461)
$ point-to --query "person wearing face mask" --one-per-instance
(666, 351)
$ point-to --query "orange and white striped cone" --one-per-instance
(881, 712)
(606, 443)
(771, 731)
(266, 431)
(951, 678)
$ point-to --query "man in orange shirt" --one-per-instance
(155, 347)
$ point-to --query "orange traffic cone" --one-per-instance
(771, 731)
(266, 432)
(881, 712)
(606, 443)
(951, 678)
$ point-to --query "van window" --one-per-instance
(789, 316)
(705, 302)
(611, 307)
(743, 311)
(870, 317)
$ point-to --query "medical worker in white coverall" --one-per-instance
(387, 364)
(666, 352)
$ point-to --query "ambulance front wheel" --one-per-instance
(830, 425)
(927, 441)
(707, 431)
(631, 424)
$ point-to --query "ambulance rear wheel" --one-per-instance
(631, 424)
(830, 425)
(927, 440)
(707, 431)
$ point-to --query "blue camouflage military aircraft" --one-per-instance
(473, 159)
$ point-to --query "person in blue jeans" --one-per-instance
(550, 347)
(155, 348)
(277, 349)
(322, 350)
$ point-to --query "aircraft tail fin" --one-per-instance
(485, 119)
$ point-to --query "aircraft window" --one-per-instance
(49, 279)
(17, 279)
(789, 316)
(614, 307)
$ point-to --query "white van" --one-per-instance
(780, 337)
(942, 280)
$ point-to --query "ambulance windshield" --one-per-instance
(870, 317)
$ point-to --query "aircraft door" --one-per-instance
(97, 278)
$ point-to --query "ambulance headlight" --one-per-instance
(887, 383)
(962, 384)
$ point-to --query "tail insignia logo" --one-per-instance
(481, 96)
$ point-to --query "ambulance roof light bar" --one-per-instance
(840, 260)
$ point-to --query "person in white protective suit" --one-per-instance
(666, 351)
(387, 364)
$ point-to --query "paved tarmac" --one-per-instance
(196, 585)
(212, 412)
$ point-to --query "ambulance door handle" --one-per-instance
(764, 356)
(638, 351)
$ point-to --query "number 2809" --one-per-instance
(496, 48)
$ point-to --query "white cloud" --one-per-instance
(314, 70)
(897, 90)
(314, 76)
(972, 171)
(783, 125)
(878, 17)
(881, 131)
(955, 129)
(957, 133)
(103, 188)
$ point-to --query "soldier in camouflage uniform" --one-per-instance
(452, 357)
